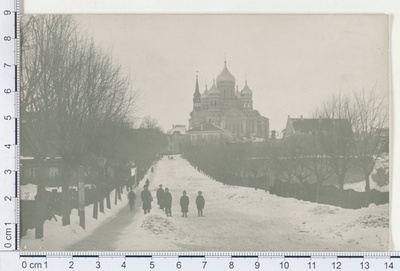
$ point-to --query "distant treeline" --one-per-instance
(257, 165)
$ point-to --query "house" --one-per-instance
(210, 133)
(303, 126)
(176, 138)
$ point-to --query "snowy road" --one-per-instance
(237, 219)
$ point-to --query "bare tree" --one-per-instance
(149, 123)
(336, 136)
(319, 163)
(359, 133)
(371, 129)
(71, 93)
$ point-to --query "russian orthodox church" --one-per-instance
(228, 108)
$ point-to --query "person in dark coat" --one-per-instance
(167, 202)
(160, 197)
(131, 198)
(200, 203)
(146, 199)
(184, 204)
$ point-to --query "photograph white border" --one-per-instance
(389, 7)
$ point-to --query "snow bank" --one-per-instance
(381, 163)
(28, 192)
(246, 219)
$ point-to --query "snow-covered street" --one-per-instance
(236, 219)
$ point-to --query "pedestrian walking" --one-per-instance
(131, 198)
(200, 203)
(146, 199)
(147, 182)
(167, 201)
(160, 197)
(152, 169)
(184, 204)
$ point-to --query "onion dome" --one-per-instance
(225, 76)
(214, 91)
(205, 94)
(246, 91)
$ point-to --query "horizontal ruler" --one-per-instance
(199, 261)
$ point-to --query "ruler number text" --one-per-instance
(337, 265)
(364, 265)
(284, 265)
(389, 265)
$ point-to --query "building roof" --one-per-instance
(205, 127)
(214, 91)
(205, 93)
(246, 91)
(304, 125)
(225, 76)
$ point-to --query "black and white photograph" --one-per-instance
(205, 132)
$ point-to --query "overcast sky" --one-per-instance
(292, 62)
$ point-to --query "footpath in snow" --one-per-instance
(245, 219)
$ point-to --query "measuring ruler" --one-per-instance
(9, 97)
(201, 261)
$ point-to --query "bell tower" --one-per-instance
(197, 97)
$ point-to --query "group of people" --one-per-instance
(164, 200)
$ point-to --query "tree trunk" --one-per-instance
(367, 189)
(81, 197)
(96, 208)
(108, 200)
(101, 198)
(40, 202)
(66, 213)
(119, 192)
(40, 210)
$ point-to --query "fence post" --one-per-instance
(40, 205)
(81, 197)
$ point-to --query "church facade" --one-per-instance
(228, 108)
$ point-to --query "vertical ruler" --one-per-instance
(9, 97)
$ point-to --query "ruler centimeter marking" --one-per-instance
(9, 124)
(212, 261)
